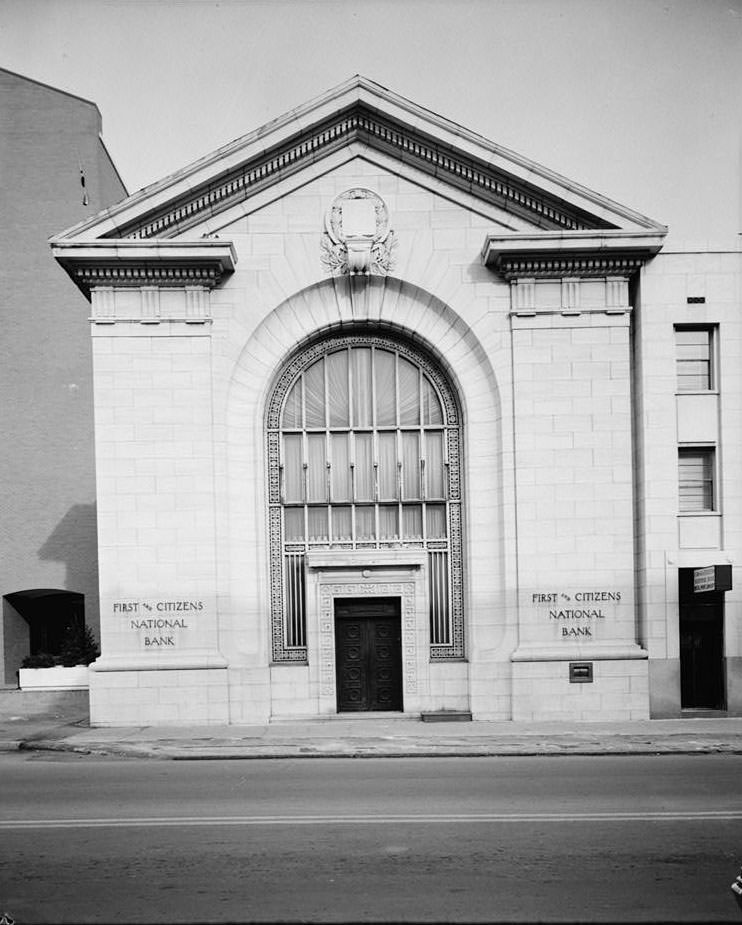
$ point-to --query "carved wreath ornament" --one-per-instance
(357, 237)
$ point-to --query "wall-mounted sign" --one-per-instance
(576, 611)
(157, 622)
(712, 578)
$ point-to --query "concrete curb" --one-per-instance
(160, 750)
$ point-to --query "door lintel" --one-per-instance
(365, 558)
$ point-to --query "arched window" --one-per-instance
(363, 446)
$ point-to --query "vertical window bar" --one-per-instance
(438, 576)
(446, 465)
(351, 392)
(420, 414)
(438, 590)
(375, 451)
(396, 388)
(443, 635)
(301, 609)
(373, 388)
(431, 594)
(436, 596)
(327, 394)
(303, 403)
(400, 477)
(294, 616)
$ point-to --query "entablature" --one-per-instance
(556, 255)
(134, 264)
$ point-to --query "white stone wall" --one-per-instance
(279, 297)
(668, 541)
(156, 513)
(569, 464)
(572, 419)
(542, 692)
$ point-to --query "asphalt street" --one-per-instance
(609, 838)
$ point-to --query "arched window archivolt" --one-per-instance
(363, 440)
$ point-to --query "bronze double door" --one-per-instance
(368, 654)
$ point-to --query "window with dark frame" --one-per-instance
(694, 358)
(696, 479)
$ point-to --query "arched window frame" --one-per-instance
(453, 648)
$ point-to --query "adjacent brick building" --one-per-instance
(55, 171)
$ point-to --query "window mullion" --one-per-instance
(400, 482)
(303, 412)
(352, 461)
(373, 389)
(398, 449)
(396, 388)
(375, 451)
(351, 396)
(304, 467)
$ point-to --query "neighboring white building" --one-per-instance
(390, 418)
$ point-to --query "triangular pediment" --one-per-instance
(358, 118)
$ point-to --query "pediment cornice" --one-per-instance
(361, 126)
(362, 114)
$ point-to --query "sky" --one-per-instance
(639, 100)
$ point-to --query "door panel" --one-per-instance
(701, 646)
(368, 655)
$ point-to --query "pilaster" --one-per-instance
(572, 425)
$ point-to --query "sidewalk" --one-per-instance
(372, 737)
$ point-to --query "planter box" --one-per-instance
(58, 678)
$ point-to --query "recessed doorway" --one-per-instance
(368, 654)
(701, 646)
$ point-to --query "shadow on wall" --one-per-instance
(33, 620)
(37, 622)
(74, 541)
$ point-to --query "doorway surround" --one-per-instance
(373, 573)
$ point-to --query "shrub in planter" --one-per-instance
(42, 660)
(79, 647)
(66, 671)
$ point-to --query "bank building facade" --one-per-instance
(391, 419)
